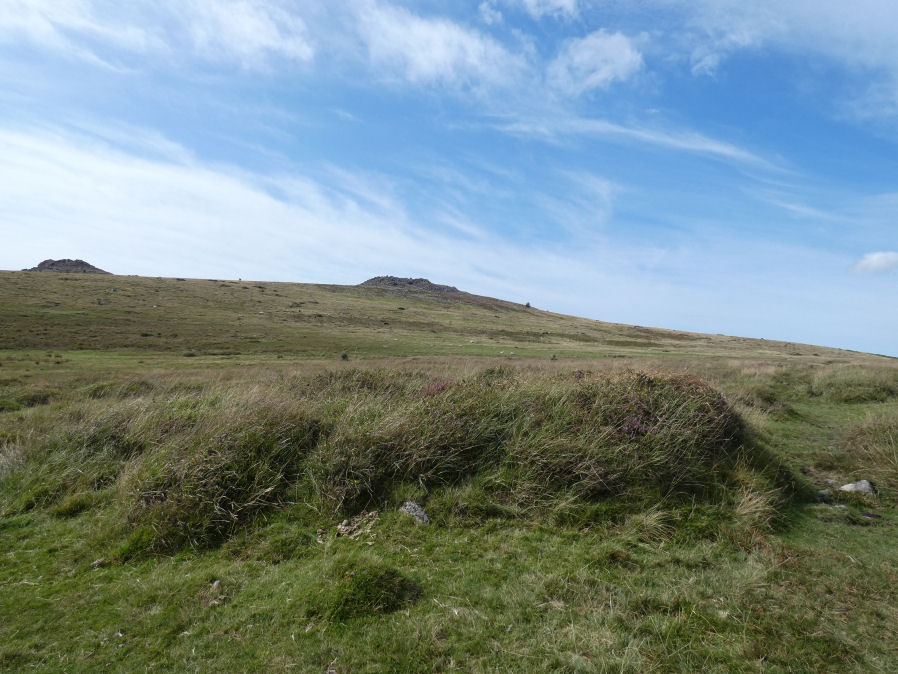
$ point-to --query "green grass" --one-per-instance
(606, 510)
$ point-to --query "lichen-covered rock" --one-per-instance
(67, 266)
(416, 512)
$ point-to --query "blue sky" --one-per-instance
(711, 165)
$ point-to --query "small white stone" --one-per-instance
(861, 487)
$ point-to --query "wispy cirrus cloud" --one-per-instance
(490, 11)
(433, 50)
(246, 33)
(877, 263)
(553, 128)
(594, 62)
(857, 36)
(540, 8)
(80, 196)
(859, 33)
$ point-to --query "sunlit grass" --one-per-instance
(645, 501)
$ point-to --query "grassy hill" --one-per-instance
(59, 311)
(207, 474)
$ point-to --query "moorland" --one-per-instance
(207, 474)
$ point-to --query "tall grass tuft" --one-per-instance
(190, 466)
(873, 448)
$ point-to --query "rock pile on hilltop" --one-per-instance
(68, 267)
(403, 284)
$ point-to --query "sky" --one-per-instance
(717, 166)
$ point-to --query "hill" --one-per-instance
(209, 316)
(217, 475)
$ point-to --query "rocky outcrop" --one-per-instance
(67, 267)
(402, 284)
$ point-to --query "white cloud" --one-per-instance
(587, 204)
(489, 14)
(242, 32)
(246, 31)
(539, 8)
(594, 61)
(877, 263)
(859, 34)
(432, 49)
(552, 128)
(76, 196)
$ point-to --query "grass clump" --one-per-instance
(628, 434)
(609, 436)
(872, 449)
(204, 492)
(119, 389)
(76, 504)
(856, 385)
(192, 467)
(280, 541)
(86, 455)
(12, 400)
(361, 587)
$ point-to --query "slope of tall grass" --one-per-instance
(189, 465)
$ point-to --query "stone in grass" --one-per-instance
(416, 511)
(859, 487)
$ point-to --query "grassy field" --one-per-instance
(206, 475)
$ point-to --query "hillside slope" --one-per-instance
(212, 475)
(208, 316)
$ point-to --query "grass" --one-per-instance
(643, 501)
(192, 467)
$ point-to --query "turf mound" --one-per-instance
(191, 467)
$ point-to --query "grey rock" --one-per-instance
(859, 487)
(416, 511)
(67, 267)
(397, 283)
(824, 495)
